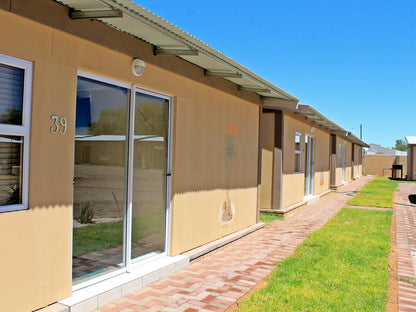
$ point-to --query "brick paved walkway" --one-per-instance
(406, 246)
(214, 282)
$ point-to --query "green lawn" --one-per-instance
(268, 217)
(96, 237)
(341, 267)
(376, 193)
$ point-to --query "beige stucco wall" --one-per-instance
(267, 136)
(413, 174)
(348, 161)
(35, 268)
(374, 164)
(348, 176)
(200, 167)
(293, 190)
(293, 183)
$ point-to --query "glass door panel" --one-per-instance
(312, 164)
(343, 162)
(149, 175)
(307, 165)
(99, 178)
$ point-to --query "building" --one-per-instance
(129, 146)
(411, 159)
(376, 149)
(304, 155)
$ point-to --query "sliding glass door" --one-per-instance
(121, 176)
(149, 174)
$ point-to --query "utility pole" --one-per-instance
(361, 132)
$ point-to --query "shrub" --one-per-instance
(86, 213)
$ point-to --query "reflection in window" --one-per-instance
(149, 177)
(340, 156)
(298, 140)
(11, 154)
(99, 177)
(11, 94)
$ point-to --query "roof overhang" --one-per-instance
(168, 39)
(279, 104)
(411, 140)
(316, 117)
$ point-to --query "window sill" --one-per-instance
(11, 208)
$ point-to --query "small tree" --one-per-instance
(401, 145)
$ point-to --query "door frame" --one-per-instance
(309, 165)
(127, 220)
(356, 163)
(130, 171)
(342, 152)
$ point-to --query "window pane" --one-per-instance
(297, 162)
(149, 184)
(11, 163)
(99, 178)
(297, 142)
(11, 94)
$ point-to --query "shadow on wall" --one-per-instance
(221, 161)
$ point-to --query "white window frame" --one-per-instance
(298, 152)
(21, 130)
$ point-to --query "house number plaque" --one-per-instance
(59, 124)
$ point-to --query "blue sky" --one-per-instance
(354, 61)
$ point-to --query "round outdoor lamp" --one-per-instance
(138, 67)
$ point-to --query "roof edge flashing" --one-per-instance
(279, 104)
(312, 114)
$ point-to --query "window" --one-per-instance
(15, 100)
(298, 140)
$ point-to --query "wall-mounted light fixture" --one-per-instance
(312, 129)
(138, 67)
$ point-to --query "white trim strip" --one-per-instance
(103, 79)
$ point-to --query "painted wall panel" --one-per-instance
(268, 132)
(374, 164)
(413, 174)
(293, 192)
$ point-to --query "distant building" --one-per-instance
(411, 163)
(376, 149)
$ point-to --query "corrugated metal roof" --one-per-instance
(145, 25)
(312, 114)
(411, 139)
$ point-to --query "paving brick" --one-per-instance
(215, 281)
(406, 244)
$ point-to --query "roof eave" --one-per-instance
(130, 11)
(312, 114)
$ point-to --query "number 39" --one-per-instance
(61, 126)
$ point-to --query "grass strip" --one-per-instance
(101, 236)
(376, 193)
(268, 217)
(341, 267)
